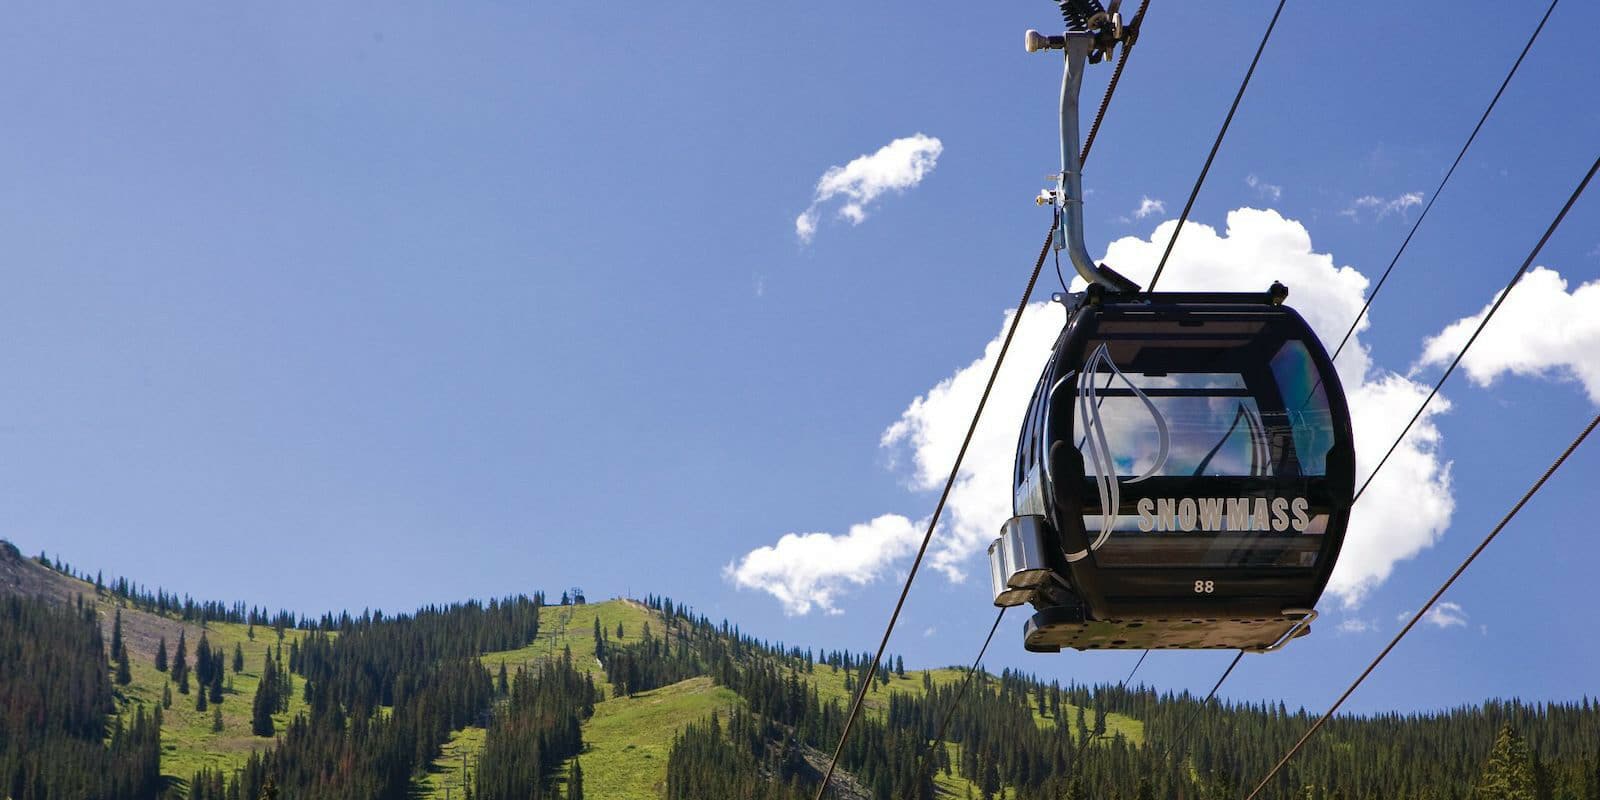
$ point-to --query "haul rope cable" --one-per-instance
(1463, 352)
(1504, 293)
(1183, 730)
(1083, 746)
(1428, 605)
(1485, 543)
(938, 510)
(1471, 137)
(1130, 37)
(1436, 192)
(855, 706)
(1238, 96)
(944, 724)
(1228, 120)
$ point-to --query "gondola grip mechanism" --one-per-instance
(1068, 195)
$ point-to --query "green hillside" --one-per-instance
(627, 740)
(188, 741)
(506, 699)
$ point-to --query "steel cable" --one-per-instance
(1571, 200)
(1094, 129)
(1436, 192)
(1131, 34)
(855, 706)
(1504, 293)
(944, 724)
(1228, 120)
(1183, 730)
(1417, 617)
(933, 522)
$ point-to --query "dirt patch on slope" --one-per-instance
(141, 632)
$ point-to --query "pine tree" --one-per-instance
(202, 661)
(216, 685)
(989, 779)
(1508, 774)
(619, 630)
(200, 699)
(116, 636)
(238, 658)
(1145, 791)
(216, 719)
(180, 665)
(263, 706)
(166, 695)
(124, 675)
(161, 655)
(575, 782)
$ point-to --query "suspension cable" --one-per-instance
(1135, 670)
(1504, 293)
(944, 724)
(1514, 280)
(1183, 730)
(933, 521)
(1188, 206)
(1130, 38)
(1228, 120)
(1493, 533)
(1130, 35)
(1417, 617)
(1083, 746)
(855, 706)
(1437, 191)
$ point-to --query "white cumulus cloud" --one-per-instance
(1350, 625)
(1267, 190)
(1380, 207)
(897, 166)
(1147, 206)
(806, 570)
(1446, 615)
(930, 431)
(1542, 330)
(1404, 512)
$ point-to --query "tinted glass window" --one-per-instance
(1248, 430)
(1305, 406)
(1214, 427)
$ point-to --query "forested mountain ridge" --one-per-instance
(644, 699)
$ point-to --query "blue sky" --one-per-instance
(383, 305)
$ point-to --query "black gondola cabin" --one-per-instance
(1183, 476)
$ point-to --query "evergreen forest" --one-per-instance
(519, 698)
